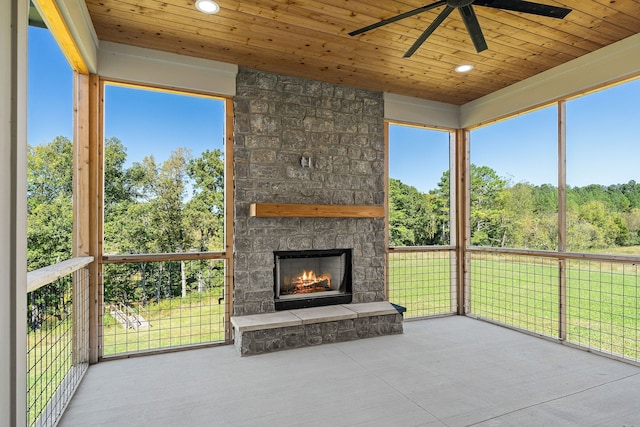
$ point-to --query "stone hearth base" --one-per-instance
(282, 330)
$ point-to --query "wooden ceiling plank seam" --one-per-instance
(585, 29)
(626, 11)
(466, 44)
(346, 67)
(149, 29)
(534, 45)
(404, 46)
(399, 59)
(383, 85)
(356, 81)
(520, 45)
(458, 25)
(185, 27)
(542, 31)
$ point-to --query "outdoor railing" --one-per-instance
(158, 302)
(588, 300)
(422, 279)
(58, 343)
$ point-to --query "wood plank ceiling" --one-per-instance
(309, 38)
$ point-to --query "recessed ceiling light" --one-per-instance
(207, 6)
(465, 68)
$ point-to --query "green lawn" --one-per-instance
(602, 299)
(420, 282)
(48, 362)
(603, 308)
(196, 319)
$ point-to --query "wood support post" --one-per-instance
(562, 220)
(386, 209)
(95, 216)
(81, 200)
(460, 200)
(229, 215)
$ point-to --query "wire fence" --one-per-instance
(603, 307)
(57, 342)
(422, 280)
(162, 305)
(516, 290)
(592, 303)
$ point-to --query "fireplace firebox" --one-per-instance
(312, 278)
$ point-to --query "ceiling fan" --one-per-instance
(465, 7)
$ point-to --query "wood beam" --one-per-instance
(60, 30)
(315, 211)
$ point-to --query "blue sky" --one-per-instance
(603, 143)
(150, 122)
(418, 156)
(50, 103)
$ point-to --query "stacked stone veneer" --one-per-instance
(279, 119)
(262, 333)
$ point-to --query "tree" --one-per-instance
(487, 206)
(440, 201)
(167, 199)
(49, 192)
(204, 212)
(408, 215)
(49, 221)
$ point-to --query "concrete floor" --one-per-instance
(452, 371)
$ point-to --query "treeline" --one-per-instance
(517, 216)
(177, 206)
(149, 207)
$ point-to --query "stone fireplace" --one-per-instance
(312, 278)
(300, 141)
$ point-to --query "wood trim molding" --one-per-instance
(315, 211)
(229, 214)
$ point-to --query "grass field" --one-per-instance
(602, 298)
(196, 319)
(602, 309)
(48, 362)
(173, 322)
(420, 282)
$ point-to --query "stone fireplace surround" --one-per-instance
(278, 121)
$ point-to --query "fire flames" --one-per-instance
(308, 282)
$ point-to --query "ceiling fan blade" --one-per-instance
(525, 7)
(398, 17)
(430, 29)
(473, 27)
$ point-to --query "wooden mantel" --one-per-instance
(315, 211)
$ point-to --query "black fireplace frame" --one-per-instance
(315, 300)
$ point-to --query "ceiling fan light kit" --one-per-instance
(468, 15)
